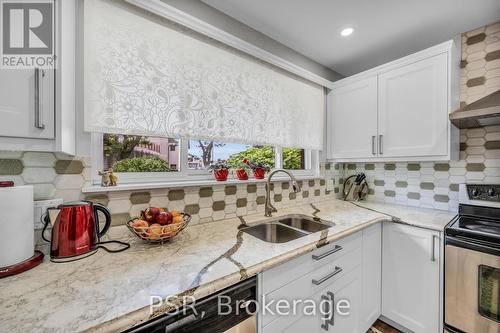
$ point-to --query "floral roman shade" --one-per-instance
(146, 76)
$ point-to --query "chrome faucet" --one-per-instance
(269, 208)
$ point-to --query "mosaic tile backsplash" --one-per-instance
(435, 185)
(59, 176)
(480, 66)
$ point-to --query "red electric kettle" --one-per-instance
(75, 230)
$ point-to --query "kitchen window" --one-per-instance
(144, 159)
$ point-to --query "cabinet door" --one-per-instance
(27, 107)
(372, 276)
(410, 277)
(352, 120)
(413, 109)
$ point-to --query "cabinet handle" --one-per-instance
(326, 321)
(331, 320)
(327, 277)
(39, 74)
(433, 250)
(373, 145)
(337, 248)
(380, 144)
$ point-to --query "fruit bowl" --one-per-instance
(158, 226)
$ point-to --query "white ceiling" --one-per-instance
(384, 29)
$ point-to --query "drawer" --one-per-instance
(303, 287)
(346, 287)
(285, 273)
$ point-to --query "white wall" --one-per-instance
(224, 22)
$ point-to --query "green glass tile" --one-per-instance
(413, 195)
(401, 183)
(192, 209)
(218, 205)
(441, 198)
(441, 167)
(389, 193)
(140, 197)
(241, 202)
(251, 188)
(413, 167)
(206, 192)
(11, 167)
(230, 190)
(68, 167)
(427, 186)
(390, 166)
(174, 195)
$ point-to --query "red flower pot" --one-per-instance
(259, 173)
(241, 174)
(221, 174)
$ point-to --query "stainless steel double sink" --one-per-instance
(286, 228)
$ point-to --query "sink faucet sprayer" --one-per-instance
(269, 208)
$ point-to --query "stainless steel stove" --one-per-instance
(472, 262)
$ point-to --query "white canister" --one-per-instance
(16, 225)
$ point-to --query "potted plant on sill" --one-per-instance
(259, 169)
(241, 171)
(220, 170)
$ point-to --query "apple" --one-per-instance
(164, 218)
(150, 214)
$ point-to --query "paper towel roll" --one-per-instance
(16, 224)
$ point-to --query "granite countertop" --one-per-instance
(111, 292)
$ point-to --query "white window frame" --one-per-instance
(184, 174)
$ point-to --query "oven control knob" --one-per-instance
(492, 192)
(475, 192)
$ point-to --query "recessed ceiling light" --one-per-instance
(346, 32)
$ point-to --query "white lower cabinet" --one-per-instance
(386, 269)
(411, 277)
(328, 318)
(371, 282)
(337, 274)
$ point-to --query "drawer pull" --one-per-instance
(327, 277)
(331, 320)
(325, 300)
(433, 249)
(337, 248)
(39, 75)
(373, 145)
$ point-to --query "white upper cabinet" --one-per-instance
(413, 117)
(27, 105)
(353, 126)
(398, 111)
(37, 107)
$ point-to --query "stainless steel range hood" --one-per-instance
(483, 112)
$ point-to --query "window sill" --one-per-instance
(182, 183)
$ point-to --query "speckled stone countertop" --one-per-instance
(111, 292)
